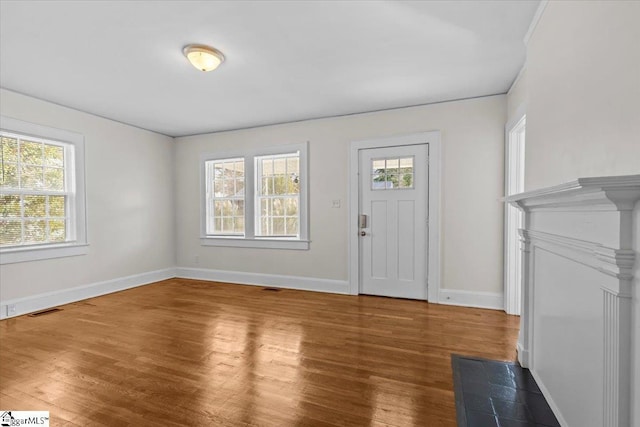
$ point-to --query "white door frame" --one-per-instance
(513, 184)
(433, 247)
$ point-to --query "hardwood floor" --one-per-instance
(185, 352)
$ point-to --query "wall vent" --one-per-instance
(43, 312)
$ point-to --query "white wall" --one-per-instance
(129, 181)
(582, 88)
(583, 85)
(472, 214)
(517, 96)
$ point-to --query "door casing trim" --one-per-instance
(433, 245)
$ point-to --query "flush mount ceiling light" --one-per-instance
(204, 58)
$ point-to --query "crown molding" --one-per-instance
(534, 22)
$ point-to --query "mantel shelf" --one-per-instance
(617, 192)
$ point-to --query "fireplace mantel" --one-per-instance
(580, 322)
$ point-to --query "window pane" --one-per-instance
(281, 184)
(239, 225)
(392, 180)
(393, 165)
(9, 150)
(224, 188)
(406, 181)
(292, 226)
(56, 206)
(293, 184)
(227, 225)
(264, 207)
(239, 187)
(31, 177)
(239, 168)
(10, 232)
(406, 163)
(267, 167)
(380, 182)
(291, 207)
(279, 166)
(278, 226)
(10, 206)
(267, 186)
(57, 230)
(35, 230)
(378, 166)
(31, 152)
(53, 155)
(54, 179)
(278, 207)
(238, 207)
(293, 165)
(406, 173)
(9, 176)
(218, 207)
(34, 206)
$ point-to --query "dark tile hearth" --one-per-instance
(491, 393)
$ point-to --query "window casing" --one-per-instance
(256, 198)
(42, 202)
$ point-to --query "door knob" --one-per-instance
(363, 233)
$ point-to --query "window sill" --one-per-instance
(255, 243)
(35, 253)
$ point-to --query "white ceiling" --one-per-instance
(286, 60)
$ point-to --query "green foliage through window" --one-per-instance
(33, 201)
(394, 173)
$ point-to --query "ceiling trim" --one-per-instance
(341, 115)
(518, 77)
(534, 22)
(266, 124)
(86, 112)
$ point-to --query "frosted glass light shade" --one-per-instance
(204, 58)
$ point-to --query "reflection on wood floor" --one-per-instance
(186, 352)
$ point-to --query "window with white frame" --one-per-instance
(225, 201)
(41, 201)
(256, 199)
(278, 195)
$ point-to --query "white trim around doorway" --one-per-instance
(514, 151)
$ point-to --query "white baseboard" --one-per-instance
(52, 299)
(66, 296)
(523, 356)
(491, 300)
(259, 279)
(547, 395)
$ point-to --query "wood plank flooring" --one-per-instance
(185, 352)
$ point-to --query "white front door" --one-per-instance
(393, 223)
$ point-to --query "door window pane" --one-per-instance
(392, 173)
